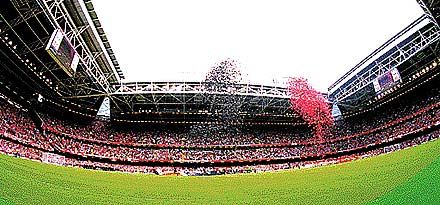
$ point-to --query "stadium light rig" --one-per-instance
(433, 65)
(27, 62)
(411, 78)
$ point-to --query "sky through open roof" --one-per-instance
(174, 40)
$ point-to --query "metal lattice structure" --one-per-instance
(367, 70)
(187, 96)
(194, 88)
(26, 26)
(192, 101)
(29, 25)
(76, 27)
(99, 67)
(25, 29)
(431, 9)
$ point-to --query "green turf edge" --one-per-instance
(27, 182)
(4, 202)
(423, 188)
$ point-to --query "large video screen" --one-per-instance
(387, 80)
(62, 51)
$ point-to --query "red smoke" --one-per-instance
(311, 105)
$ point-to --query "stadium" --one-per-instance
(73, 131)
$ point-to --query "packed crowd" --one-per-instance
(100, 131)
(132, 153)
(30, 153)
(20, 137)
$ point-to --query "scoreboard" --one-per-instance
(387, 80)
(62, 51)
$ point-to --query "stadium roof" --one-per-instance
(102, 35)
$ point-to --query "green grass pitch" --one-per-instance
(410, 176)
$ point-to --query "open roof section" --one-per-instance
(86, 7)
(136, 30)
(382, 50)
